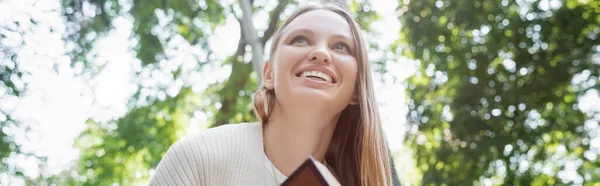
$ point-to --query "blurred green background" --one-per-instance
(472, 92)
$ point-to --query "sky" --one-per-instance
(59, 101)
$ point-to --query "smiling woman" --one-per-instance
(316, 99)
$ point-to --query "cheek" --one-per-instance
(286, 59)
(279, 72)
(350, 71)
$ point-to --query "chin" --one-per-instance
(315, 99)
(313, 95)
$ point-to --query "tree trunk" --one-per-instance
(241, 77)
(252, 38)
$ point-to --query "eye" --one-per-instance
(342, 47)
(299, 40)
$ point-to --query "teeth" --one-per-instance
(317, 74)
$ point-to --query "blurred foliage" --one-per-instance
(493, 99)
(123, 151)
(11, 87)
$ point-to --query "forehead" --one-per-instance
(321, 22)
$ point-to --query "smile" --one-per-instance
(316, 75)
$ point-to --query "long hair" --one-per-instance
(357, 152)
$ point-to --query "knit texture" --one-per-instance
(226, 155)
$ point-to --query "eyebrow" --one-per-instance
(300, 30)
(342, 37)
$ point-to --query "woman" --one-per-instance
(316, 99)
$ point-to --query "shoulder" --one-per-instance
(228, 130)
(220, 139)
(222, 134)
(197, 155)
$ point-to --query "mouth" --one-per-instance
(317, 76)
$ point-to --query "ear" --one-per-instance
(267, 76)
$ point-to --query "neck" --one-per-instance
(291, 136)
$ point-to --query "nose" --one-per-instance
(320, 54)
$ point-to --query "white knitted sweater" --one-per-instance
(226, 155)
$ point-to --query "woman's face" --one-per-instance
(313, 65)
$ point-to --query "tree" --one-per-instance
(136, 141)
(12, 39)
(10, 85)
(241, 73)
(126, 149)
(494, 99)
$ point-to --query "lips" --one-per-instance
(318, 73)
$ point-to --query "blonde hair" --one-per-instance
(357, 152)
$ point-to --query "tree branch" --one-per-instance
(235, 82)
(273, 20)
(240, 71)
(241, 48)
(252, 37)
